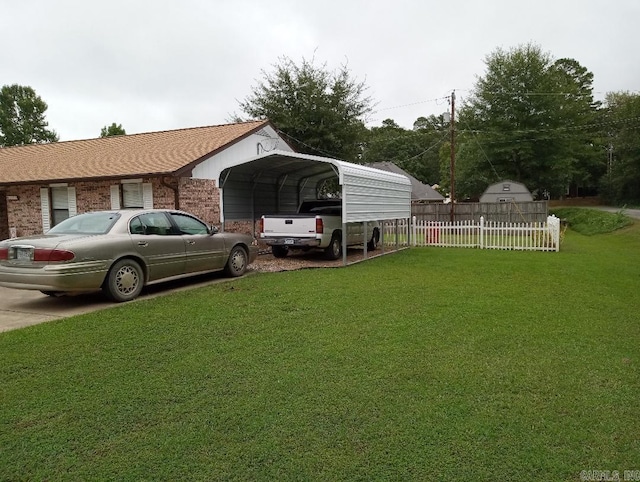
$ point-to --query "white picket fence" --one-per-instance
(470, 234)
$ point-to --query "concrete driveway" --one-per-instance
(20, 308)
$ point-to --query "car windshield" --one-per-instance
(89, 223)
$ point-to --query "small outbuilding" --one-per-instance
(420, 192)
(505, 192)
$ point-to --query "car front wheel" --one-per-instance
(237, 262)
(124, 281)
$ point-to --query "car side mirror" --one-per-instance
(213, 230)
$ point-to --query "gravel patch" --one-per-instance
(266, 262)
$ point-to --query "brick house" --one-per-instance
(42, 184)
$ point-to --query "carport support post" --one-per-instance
(344, 243)
(364, 234)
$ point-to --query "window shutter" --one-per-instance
(44, 205)
(73, 206)
(147, 195)
(115, 196)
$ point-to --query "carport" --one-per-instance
(277, 182)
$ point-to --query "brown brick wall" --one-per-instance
(200, 197)
(197, 196)
(4, 220)
(245, 227)
(24, 213)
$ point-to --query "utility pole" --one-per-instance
(452, 125)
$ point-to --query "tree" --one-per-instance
(113, 130)
(22, 119)
(321, 112)
(415, 151)
(621, 182)
(530, 119)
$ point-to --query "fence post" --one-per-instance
(413, 231)
(553, 224)
(481, 232)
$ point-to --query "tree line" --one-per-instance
(530, 118)
(22, 118)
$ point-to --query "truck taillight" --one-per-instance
(262, 225)
(4, 253)
(52, 255)
(319, 226)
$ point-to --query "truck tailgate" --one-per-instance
(300, 225)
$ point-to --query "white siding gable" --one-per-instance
(263, 141)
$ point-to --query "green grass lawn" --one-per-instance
(427, 364)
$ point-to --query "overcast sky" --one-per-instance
(158, 65)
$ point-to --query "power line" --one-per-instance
(435, 144)
(411, 104)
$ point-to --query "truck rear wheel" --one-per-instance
(279, 251)
(334, 250)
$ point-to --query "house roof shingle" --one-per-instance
(153, 153)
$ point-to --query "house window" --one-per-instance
(132, 195)
(506, 187)
(57, 203)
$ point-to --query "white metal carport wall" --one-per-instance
(345, 199)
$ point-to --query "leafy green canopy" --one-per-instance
(321, 112)
(112, 130)
(621, 182)
(416, 151)
(531, 119)
(22, 119)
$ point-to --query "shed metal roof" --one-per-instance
(419, 190)
(368, 194)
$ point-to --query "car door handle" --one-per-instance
(144, 244)
(191, 241)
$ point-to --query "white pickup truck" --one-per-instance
(318, 224)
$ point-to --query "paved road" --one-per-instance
(632, 213)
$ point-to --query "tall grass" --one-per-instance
(428, 364)
(592, 221)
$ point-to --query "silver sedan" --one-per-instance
(120, 252)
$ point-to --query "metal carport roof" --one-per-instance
(277, 181)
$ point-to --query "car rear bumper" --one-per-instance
(62, 277)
